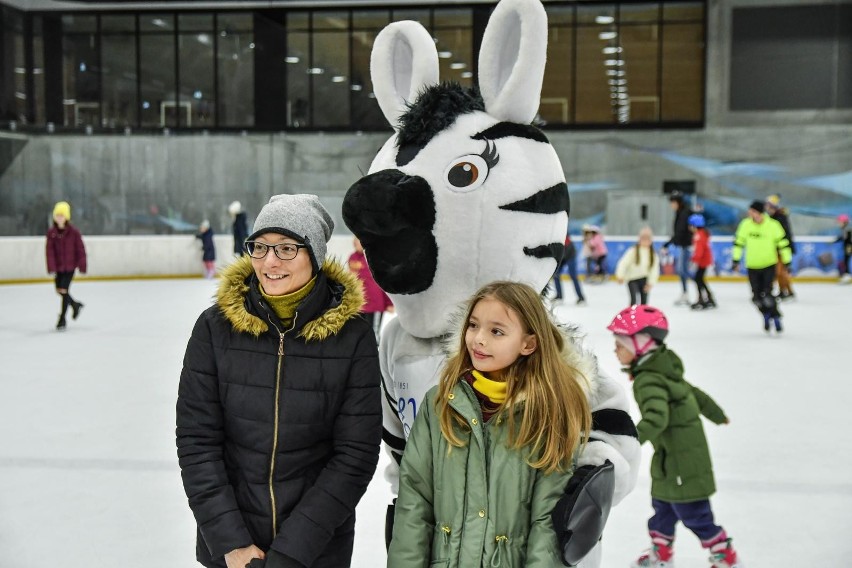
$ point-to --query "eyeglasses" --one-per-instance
(284, 251)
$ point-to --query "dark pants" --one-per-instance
(697, 516)
(375, 318)
(63, 282)
(761, 290)
(636, 288)
(703, 291)
(596, 266)
(571, 264)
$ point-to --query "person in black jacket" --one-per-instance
(780, 214)
(682, 240)
(239, 227)
(279, 407)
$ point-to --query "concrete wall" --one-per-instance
(23, 258)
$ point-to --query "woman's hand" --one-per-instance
(239, 557)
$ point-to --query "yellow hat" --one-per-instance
(774, 200)
(62, 208)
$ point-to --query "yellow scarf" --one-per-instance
(285, 306)
(494, 390)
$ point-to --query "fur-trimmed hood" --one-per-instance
(346, 299)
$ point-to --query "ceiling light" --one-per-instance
(315, 71)
(466, 74)
(458, 65)
(338, 79)
(610, 50)
(291, 59)
(445, 54)
(614, 62)
(158, 22)
(607, 35)
(604, 19)
(355, 87)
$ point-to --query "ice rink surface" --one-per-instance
(89, 475)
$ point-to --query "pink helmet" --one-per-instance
(843, 218)
(641, 318)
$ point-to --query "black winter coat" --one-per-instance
(782, 217)
(278, 431)
(682, 236)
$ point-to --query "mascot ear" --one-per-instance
(404, 61)
(512, 58)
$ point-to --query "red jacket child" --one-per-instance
(702, 254)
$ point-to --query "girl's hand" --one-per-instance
(239, 557)
(646, 288)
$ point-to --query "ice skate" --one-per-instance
(766, 322)
(846, 279)
(75, 309)
(723, 555)
(660, 555)
(683, 300)
(699, 305)
(60, 325)
(777, 322)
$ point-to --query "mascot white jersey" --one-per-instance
(466, 192)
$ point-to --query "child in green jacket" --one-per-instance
(490, 451)
(681, 471)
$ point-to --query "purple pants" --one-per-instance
(697, 516)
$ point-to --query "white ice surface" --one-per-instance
(89, 476)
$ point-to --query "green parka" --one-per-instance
(681, 470)
(479, 505)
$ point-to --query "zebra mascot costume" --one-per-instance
(466, 192)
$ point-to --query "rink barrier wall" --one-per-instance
(179, 256)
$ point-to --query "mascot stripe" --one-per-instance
(553, 250)
(512, 129)
(395, 443)
(613, 421)
(547, 201)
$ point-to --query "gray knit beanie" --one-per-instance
(299, 216)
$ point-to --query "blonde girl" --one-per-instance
(491, 449)
(639, 266)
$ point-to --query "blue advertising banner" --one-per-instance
(815, 256)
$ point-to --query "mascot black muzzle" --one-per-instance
(393, 215)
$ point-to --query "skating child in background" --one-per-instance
(640, 267)
(208, 249)
(65, 254)
(845, 238)
(702, 258)
(594, 249)
(494, 437)
(376, 302)
(681, 471)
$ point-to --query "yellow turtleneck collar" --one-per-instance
(285, 305)
(494, 390)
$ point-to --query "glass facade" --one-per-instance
(610, 64)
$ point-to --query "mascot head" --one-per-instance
(466, 191)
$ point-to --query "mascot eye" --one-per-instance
(466, 173)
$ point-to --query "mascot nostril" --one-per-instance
(393, 215)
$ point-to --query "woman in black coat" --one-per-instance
(279, 409)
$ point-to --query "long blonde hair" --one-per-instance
(555, 416)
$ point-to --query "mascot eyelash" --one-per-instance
(466, 172)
